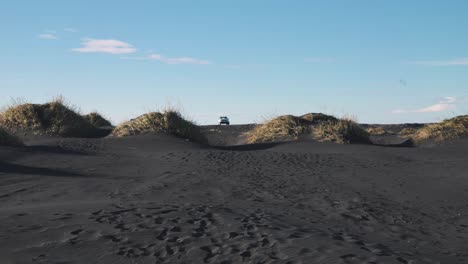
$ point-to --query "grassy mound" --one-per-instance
(52, 118)
(322, 127)
(97, 120)
(446, 130)
(6, 139)
(281, 128)
(341, 131)
(168, 122)
(376, 130)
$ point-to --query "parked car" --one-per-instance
(224, 120)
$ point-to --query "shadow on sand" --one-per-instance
(249, 147)
(29, 170)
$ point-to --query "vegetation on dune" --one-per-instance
(53, 118)
(281, 128)
(168, 122)
(407, 131)
(97, 120)
(341, 131)
(7, 139)
(322, 127)
(376, 130)
(448, 129)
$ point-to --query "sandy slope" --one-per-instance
(157, 199)
(222, 135)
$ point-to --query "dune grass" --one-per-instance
(53, 118)
(97, 120)
(407, 132)
(376, 130)
(168, 122)
(282, 128)
(322, 127)
(448, 129)
(340, 131)
(7, 139)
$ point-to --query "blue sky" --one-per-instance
(380, 61)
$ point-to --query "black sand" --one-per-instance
(159, 199)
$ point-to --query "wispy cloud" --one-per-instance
(47, 36)
(134, 58)
(450, 62)
(111, 46)
(72, 30)
(319, 60)
(447, 103)
(170, 60)
(177, 60)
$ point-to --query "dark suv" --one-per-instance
(223, 120)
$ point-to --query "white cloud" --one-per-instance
(398, 111)
(133, 58)
(436, 108)
(72, 30)
(447, 103)
(450, 99)
(180, 60)
(111, 46)
(319, 60)
(451, 62)
(47, 36)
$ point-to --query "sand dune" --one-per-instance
(161, 199)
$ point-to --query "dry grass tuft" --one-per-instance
(97, 120)
(448, 129)
(376, 131)
(281, 128)
(407, 131)
(168, 122)
(53, 118)
(7, 139)
(341, 131)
